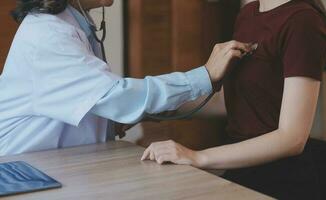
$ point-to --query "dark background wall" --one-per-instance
(7, 29)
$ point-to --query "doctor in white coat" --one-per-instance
(56, 91)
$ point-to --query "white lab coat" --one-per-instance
(56, 93)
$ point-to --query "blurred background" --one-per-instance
(151, 37)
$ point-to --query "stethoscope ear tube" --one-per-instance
(94, 29)
(102, 28)
(102, 39)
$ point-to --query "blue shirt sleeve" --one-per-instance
(69, 82)
(130, 99)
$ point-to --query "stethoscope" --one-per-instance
(154, 117)
(94, 30)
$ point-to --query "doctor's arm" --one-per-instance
(130, 99)
(297, 113)
(69, 81)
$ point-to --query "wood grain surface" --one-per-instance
(114, 171)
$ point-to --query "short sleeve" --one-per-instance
(68, 79)
(304, 45)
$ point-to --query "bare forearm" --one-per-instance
(263, 149)
(296, 118)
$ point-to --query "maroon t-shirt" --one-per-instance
(292, 43)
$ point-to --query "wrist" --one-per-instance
(198, 159)
(213, 78)
(216, 82)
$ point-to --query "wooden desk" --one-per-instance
(114, 171)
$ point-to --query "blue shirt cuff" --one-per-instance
(200, 82)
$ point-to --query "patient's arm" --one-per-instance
(297, 113)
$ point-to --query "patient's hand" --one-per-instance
(223, 56)
(170, 151)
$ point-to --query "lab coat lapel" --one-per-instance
(82, 25)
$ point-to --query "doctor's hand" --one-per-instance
(223, 56)
(170, 151)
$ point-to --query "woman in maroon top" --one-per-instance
(271, 99)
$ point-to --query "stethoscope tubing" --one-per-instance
(94, 29)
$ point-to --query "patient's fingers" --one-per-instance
(146, 154)
(152, 155)
(164, 158)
